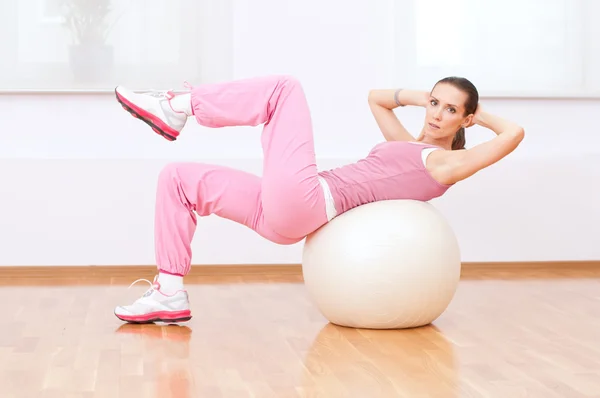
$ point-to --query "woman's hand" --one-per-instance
(495, 123)
(476, 119)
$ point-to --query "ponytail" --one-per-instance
(459, 139)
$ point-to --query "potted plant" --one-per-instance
(90, 57)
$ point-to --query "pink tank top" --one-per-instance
(392, 170)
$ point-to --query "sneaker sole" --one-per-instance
(157, 125)
(161, 316)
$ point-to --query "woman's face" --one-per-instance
(445, 111)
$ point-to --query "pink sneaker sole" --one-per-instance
(161, 316)
(154, 122)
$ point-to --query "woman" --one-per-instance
(292, 198)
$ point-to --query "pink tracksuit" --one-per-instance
(288, 202)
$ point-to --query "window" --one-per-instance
(96, 44)
(506, 47)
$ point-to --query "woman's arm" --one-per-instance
(382, 103)
(509, 136)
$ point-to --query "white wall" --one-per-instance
(78, 174)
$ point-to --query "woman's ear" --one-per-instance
(468, 121)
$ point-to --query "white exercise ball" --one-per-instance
(384, 265)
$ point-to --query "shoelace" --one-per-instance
(165, 93)
(140, 280)
(152, 286)
(155, 93)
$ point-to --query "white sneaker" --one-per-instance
(156, 306)
(154, 108)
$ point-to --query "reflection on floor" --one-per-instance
(260, 337)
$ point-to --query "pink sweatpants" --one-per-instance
(284, 205)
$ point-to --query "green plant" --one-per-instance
(87, 20)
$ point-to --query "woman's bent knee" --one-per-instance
(171, 184)
(169, 172)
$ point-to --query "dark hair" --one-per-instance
(470, 105)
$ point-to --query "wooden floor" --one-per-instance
(502, 336)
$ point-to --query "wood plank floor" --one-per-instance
(256, 336)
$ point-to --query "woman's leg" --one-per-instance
(293, 200)
(284, 206)
(185, 191)
(188, 190)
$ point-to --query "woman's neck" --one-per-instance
(445, 143)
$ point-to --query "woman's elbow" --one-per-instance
(514, 134)
(519, 134)
(372, 96)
